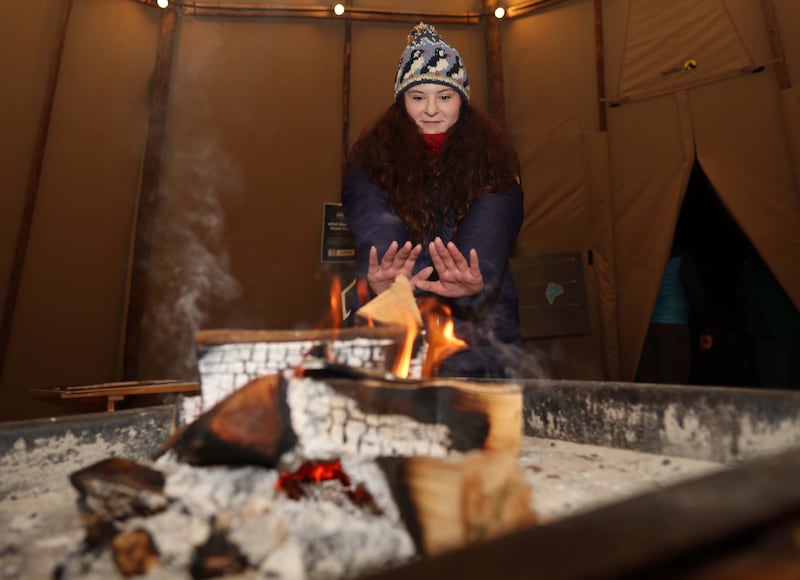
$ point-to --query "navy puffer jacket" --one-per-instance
(488, 322)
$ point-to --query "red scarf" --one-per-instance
(434, 142)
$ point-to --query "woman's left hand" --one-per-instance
(457, 277)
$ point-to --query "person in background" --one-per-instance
(432, 191)
(773, 323)
(681, 307)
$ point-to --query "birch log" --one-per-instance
(319, 419)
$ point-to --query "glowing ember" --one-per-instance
(319, 471)
(315, 471)
(442, 341)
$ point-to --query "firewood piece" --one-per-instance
(448, 503)
(117, 488)
(396, 305)
(249, 427)
(229, 359)
(326, 419)
(217, 557)
(372, 418)
(134, 552)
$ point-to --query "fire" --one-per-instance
(318, 471)
(436, 317)
(314, 472)
(402, 363)
(336, 303)
(442, 341)
(362, 290)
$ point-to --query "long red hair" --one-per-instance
(476, 159)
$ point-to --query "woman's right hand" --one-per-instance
(397, 260)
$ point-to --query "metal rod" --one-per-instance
(629, 98)
(34, 177)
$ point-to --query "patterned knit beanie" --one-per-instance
(429, 59)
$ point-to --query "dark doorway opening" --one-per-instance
(720, 249)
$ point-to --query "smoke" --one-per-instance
(528, 367)
(190, 267)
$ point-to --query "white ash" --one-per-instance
(323, 535)
(329, 425)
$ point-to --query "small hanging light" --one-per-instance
(338, 9)
(162, 3)
(499, 12)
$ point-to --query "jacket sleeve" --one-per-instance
(490, 227)
(369, 217)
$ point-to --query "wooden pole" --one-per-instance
(149, 195)
(529, 7)
(599, 59)
(348, 49)
(34, 177)
(494, 63)
(365, 14)
(775, 43)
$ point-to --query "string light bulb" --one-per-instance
(338, 9)
(162, 3)
(499, 12)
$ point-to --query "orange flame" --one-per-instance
(402, 363)
(442, 341)
(336, 303)
(362, 290)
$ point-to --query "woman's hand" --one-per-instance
(457, 277)
(395, 261)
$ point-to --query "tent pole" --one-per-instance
(324, 12)
(599, 58)
(149, 197)
(775, 43)
(494, 63)
(34, 177)
(528, 7)
(348, 51)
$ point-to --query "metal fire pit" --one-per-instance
(742, 521)
(743, 512)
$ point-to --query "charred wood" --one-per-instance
(134, 552)
(118, 488)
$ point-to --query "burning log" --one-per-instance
(362, 473)
(249, 427)
(229, 359)
(272, 416)
(450, 503)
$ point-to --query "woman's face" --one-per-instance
(434, 108)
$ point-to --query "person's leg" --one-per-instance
(675, 355)
(773, 361)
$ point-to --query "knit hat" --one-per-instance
(429, 59)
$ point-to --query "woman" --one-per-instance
(432, 192)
